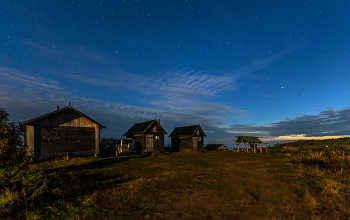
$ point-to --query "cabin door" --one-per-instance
(149, 142)
(194, 143)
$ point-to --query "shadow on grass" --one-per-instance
(96, 164)
(95, 175)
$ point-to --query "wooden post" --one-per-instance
(254, 148)
(238, 147)
(247, 146)
(266, 147)
(260, 149)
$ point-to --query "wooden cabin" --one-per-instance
(187, 138)
(64, 132)
(215, 147)
(148, 136)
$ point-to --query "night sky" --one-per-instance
(272, 69)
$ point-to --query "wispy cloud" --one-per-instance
(12, 77)
(26, 95)
(262, 63)
(329, 122)
(179, 97)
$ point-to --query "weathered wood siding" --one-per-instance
(97, 139)
(66, 118)
(148, 140)
(159, 144)
(58, 141)
(221, 148)
(29, 139)
(62, 133)
(200, 143)
(187, 143)
(37, 141)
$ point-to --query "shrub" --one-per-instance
(13, 159)
(24, 192)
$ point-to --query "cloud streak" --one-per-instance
(32, 95)
(329, 122)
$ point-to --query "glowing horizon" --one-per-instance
(296, 138)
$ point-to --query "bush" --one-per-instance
(13, 159)
(25, 193)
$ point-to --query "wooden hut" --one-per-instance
(187, 138)
(215, 147)
(249, 141)
(148, 136)
(63, 132)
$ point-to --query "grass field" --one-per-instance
(191, 185)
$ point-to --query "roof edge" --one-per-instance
(61, 110)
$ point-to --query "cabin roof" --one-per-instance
(248, 139)
(187, 131)
(214, 146)
(62, 110)
(141, 128)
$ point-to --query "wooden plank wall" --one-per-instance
(56, 142)
(61, 133)
(186, 143)
(29, 140)
(200, 143)
(37, 141)
(158, 144)
(66, 118)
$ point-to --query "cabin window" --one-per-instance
(199, 139)
(156, 138)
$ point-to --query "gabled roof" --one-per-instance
(248, 139)
(62, 110)
(187, 131)
(143, 127)
(214, 146)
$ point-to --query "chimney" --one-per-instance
(58, 108)
(70, 104)
(159, 121)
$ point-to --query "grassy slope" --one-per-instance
(189, 185)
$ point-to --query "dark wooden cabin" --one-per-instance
(187, 138)
(215, 147)
(63, 132)
(148, 136)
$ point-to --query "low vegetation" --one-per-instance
(184, 185)
(304, 183)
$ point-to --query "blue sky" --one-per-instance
(272, 69)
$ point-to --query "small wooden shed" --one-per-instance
(148, 136)
(215, 147)
(248, 140)
(63, 132)
(187, 138)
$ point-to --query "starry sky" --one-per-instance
(279, 70)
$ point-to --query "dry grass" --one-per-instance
(190, 185)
